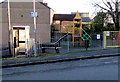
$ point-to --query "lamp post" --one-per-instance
(10, 30)
(35, 15)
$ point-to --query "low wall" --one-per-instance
(4, 53)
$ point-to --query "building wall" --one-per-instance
(4, 33)
(21, 16)
(51, 15)
(5, 36)
(0, 26)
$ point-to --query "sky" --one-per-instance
(68, 6)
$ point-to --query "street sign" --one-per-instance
(107, 33)
(34, 14)
(98, 36)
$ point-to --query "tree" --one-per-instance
(112, 8)
(98, 22)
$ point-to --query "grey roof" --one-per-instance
(68, 17)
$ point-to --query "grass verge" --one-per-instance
(48, 54)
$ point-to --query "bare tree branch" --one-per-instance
(112, 2)
(105, 3)
(103, 8)
(112, 7)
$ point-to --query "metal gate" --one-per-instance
(111, 39)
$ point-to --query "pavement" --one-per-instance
(89, 54)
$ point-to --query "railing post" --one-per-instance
(104, 39)
(27, 47)
(68, 38)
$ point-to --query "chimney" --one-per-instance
(46, 4)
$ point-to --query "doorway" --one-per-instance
(20, 37)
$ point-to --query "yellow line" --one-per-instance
(112, 46)
(112, 31)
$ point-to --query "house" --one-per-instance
(21, 21)
(62, 21)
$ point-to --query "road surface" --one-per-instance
(92, 69)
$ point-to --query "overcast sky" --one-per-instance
(68, 6)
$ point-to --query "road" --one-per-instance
(91, 69)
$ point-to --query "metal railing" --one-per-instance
(29, 46)
(111, 39)
(86, 36)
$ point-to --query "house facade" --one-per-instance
(63, 21)
(22, 25)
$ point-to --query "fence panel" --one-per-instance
(111, 39)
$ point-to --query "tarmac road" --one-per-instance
(92, 69)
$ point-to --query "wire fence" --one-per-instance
(67, 46)
(107, 39)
